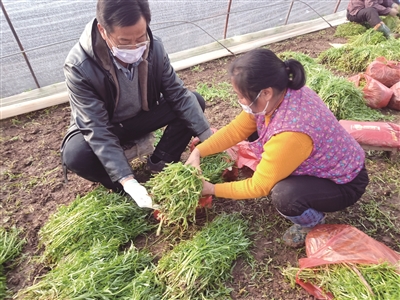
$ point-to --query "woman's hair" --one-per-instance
(122, 13)
(260, 68)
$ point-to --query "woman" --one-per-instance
(307, 161)
(361, 11)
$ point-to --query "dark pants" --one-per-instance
(369, 15)
(78, 157)
(295, 194)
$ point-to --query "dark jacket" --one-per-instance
(94, 91)
(382, 6)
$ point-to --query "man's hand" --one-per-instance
(138, 193)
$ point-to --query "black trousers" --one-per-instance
(369, 15)
(79, 158)
(295, 194)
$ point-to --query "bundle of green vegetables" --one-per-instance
(10, 247)
(99, 272)
(351, 281)
(176, 190)
(349, 29)
(98, 216)
(355, 56)
(213, 166)
(342, 97)
(198, 268)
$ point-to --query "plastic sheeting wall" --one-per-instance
(181, 25)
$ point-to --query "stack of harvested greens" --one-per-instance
(98, 216)
(198, 268)
(177, 190)
(213, 166)
(10, 247)
(363, 49)
(100, 272)
(342, 97)
(349, 29)
(83, 247)
(351, 281)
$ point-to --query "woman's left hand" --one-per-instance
(208, 188)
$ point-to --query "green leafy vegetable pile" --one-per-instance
(97, 216)
(10, 247)
(342, 97)
(177, 190)
(352, 281)
(198, 268)
(214, 165)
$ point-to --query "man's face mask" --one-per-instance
(128, 53)
(128, 56)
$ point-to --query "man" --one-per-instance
(361, 11)
(122, 87)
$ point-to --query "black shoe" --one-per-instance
(155, 167)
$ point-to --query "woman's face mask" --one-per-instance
(247, 108)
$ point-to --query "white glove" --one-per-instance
(138, 193)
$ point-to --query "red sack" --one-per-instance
(394, 102)
(339, 243)
(385, 71)
(376, 94)
(380, 134)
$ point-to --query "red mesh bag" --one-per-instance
(385, 71)
(394, 102)
(376, 94)
(339, 243)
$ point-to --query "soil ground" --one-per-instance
(32, 188)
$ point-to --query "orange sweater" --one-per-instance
(283, 153)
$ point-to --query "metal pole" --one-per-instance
(288, 14)
(227, 18)
(337, 6)
(19, 43)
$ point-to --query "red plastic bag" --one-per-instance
(380, 134)
(243, 155)
(376, 94)
(385, 71)
(394, 102)
(340, 243)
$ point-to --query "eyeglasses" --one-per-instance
(129, 47)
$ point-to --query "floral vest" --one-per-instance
(336, 155)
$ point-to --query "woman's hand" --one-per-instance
(194, 159)
(393, 11)
(208, 188)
